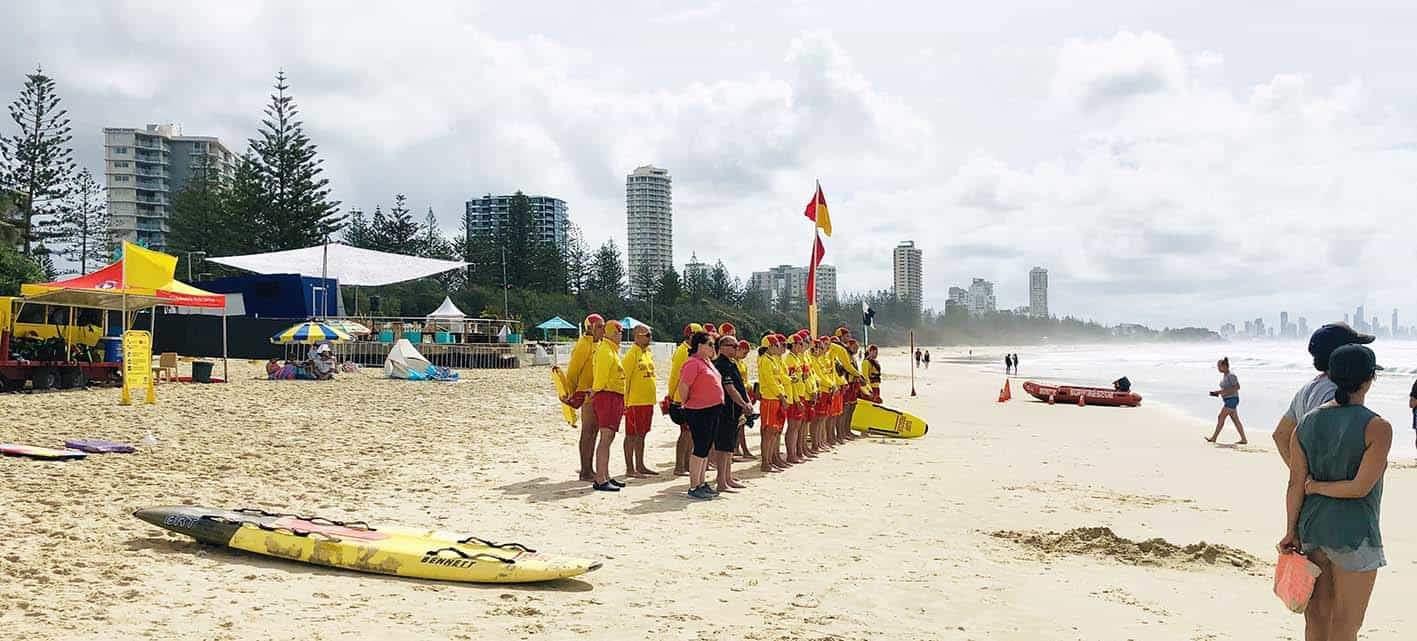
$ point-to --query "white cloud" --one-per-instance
(1096, 73)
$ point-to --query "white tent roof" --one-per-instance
(348, 265)
(447, 310)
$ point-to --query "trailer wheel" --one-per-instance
(44, 378)
(73, 378)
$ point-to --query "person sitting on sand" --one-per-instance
(1229, 394)
(701, 390)
(639, 402)
(1338, 454)
(322, 362)
(1318, 391)
(607, 400)
(278, 370)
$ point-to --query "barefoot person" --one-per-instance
(701, 389)
(741, 357)
(1337, 456)
(736, 407)
(849, 378)
(853, 391)
(1229, 394)
(608, 399)
(672, 400)
(1316, 392)
(580, 372)
(639, 402)
(797, 410)
(772, 403)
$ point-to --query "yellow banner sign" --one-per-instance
(138, 366)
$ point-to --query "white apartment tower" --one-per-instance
(649, 217)
(981, 297)
(1038, 292)
(146, 168)
(907, 273)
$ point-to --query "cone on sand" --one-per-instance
(1082, 400)
(1005, 394)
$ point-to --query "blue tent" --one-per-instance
(630, 322)
(555, 323)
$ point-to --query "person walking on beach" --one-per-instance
(1008, 363)
(1338, 455)
(580, 372)
(1320, 390)
(1229, 394)
(1015, 364)
(701, 390)
(927, 359)
(608, 401)
(917, 359)
(639, 402)
(735, 407)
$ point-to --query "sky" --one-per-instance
(1169, 163)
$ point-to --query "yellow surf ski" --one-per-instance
(880, 420)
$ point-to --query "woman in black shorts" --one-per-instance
(701, 388)
(735, 404)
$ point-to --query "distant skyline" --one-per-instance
(1170, 163)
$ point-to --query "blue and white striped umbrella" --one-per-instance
(309, 333)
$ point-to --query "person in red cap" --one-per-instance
(726, 329)
(672, 403)
(773, 393)
(853, 391)
(640, 391)
(580, 372)
(608, 402)
(792, 363)
(741, 357)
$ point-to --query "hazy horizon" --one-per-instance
(1169, 164)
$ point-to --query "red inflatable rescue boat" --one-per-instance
(1071, 394)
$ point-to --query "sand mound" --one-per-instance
(1101, 541)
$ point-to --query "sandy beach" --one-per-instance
(1008, 521)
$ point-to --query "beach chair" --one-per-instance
(166, 366)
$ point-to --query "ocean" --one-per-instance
(1181, 375)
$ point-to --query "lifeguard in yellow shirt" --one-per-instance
(579, 373)
(797, 411)
(772, 402)
(639, 402)
(671, 401)
(608, 400)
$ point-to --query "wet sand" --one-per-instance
(1008, 521)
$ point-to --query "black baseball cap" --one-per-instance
(1330, 337)
(1351, 362)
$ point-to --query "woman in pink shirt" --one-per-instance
(701, 387)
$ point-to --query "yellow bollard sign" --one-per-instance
(138, 366)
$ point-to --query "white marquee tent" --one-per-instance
(348, 265)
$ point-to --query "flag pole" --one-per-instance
(812, 264)
(910, 357)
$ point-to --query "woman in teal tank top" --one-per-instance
(1335, 495)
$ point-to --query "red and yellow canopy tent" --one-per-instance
(141, 279)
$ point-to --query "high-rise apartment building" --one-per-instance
(787, 285)
(1038, 292)
(1359, 322)
(959, 296)
(550, 220)
(981, 297)
(649, 220)
(146, 168)
(908, 273)
(1303, 327)
(694, 269)
(1284, 328)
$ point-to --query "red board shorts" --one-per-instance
(793, 411)
(609, 408)
(838, 404)
(638, 419)
(576, 400)
(853, 392)
(773, 414)
(824, 406)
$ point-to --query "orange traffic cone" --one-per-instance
(1005, 394)
(1082, 400)
(1052, 398)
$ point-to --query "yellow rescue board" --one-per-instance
(884, 421)
(414, 554)
(558, 378)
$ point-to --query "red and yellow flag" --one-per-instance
(818, 251)
(817, 212)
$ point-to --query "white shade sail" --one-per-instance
(348, 265)
(448, 310)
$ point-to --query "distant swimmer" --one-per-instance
(1229, 394)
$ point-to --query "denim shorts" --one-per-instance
(1231, 402)
(1365, 558)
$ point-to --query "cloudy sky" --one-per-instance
(1169, 163)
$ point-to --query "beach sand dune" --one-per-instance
(1009, 521)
